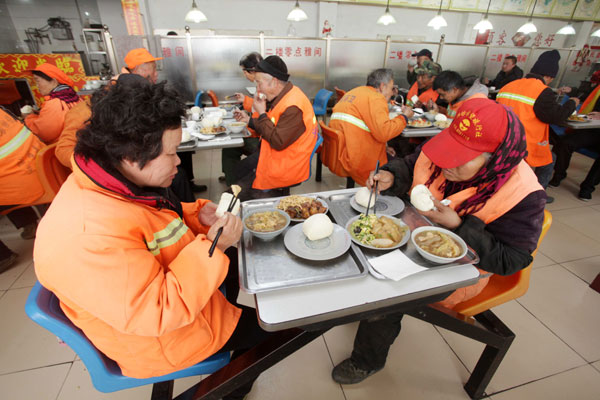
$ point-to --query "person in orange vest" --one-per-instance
(497, 207)
(535, 105)
(422, 55)
(423, 87)
(584, 138)
(57, 89)
(362, 116)
(19, 182)
(130, 263)
(288, 129)
(455, 90)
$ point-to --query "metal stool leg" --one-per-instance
(162, 390)
(318, 174)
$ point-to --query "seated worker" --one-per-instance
(411, 75)
(287, 126)
(508, 73)
(535, 105)
(497, 207)
(75, 119)
(129, 262)
(586, 138)
(230, 157)
(455, 90)
(362, 116)
(423, 87)
(57, 89)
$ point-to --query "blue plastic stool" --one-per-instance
(198, 100)
(320, 102)
(317, 145)
(43, 308)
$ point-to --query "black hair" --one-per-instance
(42, 75)
(128, 121)
(448, 80)
(250, 61)
(513, 58)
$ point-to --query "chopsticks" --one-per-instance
(374, 190)
(231, 96)
(220, 231)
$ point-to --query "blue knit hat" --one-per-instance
(547, 64)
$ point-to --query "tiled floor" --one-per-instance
(556, 353)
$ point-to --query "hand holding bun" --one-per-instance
(421, 198)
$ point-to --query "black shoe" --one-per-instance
(584, 196)
(549, 199)
(222, 178)
(347, 373)
(8, 262)
(555, 181)
(198, 188)
(29, 231)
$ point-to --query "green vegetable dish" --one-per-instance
(377, 231)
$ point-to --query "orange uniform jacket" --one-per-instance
(247, 105)
(287, 167)
(521, 183)
(362, 116)
(520, 95)
(19, 182)
(588, 105)
(136, 279)
(75, 119)
(424, 97)
(48, 124)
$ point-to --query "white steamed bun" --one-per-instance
(421, 198)
(362, 197)
(224, 203)
(317, 226)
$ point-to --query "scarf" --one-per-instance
(64, 93)
(494, 173)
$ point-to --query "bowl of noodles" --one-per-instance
(266, 224)
(438, 244)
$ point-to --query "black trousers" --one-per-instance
(5, 252)
(246, 174)
(23, 216)
(564, 148)
(373, 341)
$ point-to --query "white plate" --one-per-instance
(325, 249)
(312, 197)
(387, 205)
(396, 220)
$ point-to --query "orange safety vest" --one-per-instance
(278, 169)
(19, 181)
(247, 105)
(424, 97)
(590, 101)
(520, 95)
(521, 183)
(453, 108)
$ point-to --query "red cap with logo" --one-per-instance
(138, 57)
(54, 72)
(479, 127)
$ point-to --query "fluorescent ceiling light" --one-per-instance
(597, 33)
(297, 14)
(195, 15)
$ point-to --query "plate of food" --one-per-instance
(438, 244)
(378, 232)
(299, 208)
(389, 205)
(578, 118)
(213, 130)
(266, 224)
(317, 239)
(419, 123)
(442, 124)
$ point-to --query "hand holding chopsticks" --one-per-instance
(373, 190)
(220, 231)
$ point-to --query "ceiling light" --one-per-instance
(387, 18)
(529, 27)
(195, 15)
(438, 21)
(568, 28)
(484, 24)
(597, 33)
(297, 14)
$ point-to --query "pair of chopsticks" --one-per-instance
(373, 191)
(231, 96)
(220, 231)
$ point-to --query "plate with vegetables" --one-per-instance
(378, 232)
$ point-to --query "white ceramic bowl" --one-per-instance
(430, 116)
(267, 235)
(432, 257)
(95, 84)
(236, 127)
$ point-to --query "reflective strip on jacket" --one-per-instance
(278, 169)
(521, 183)
(520, 95)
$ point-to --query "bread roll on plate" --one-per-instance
(317, 226)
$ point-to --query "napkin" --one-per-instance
(395, 265)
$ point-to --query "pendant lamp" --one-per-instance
(387, 18)
(195, 15)
(596, 33)
(297, 14)
(484, 24)
(568, 28)
(529, 27)
(438, 21)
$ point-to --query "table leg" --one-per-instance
(596, 284)
(319, 172)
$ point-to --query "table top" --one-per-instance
(306, 305)
(420, 132)
(227, 141)
(591, 124)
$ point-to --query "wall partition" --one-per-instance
(352, 60)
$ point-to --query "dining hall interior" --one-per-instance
(131, 267)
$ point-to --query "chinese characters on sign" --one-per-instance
(401, 54)
(498, 58)
(295, 51)
(133, 19)
(167, 52)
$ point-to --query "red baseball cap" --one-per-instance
(139, 56)
(478, 127)
(54, 72)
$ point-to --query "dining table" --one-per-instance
(298, 314)
(588, 124)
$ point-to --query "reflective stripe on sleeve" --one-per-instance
(14, 143)
(351, 119)
(168, 236)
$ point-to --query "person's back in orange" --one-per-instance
(75, 119)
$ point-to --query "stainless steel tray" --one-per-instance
(268, 265)
(341, 211)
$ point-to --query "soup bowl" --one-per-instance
(270, 234)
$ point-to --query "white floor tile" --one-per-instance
(541, 260)
(420, 365)
(528, 357)
(567, 306)
(587, 268)
(26, 345)
(27, 278)
(584, 220)
(581, 383)
(563, 243)
(596, 365)
(24, 248)
(39, 384)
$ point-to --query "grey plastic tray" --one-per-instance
(268, 265)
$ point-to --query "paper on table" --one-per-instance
(395, 265)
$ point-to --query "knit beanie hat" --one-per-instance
(274, 66)
(547, 64)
